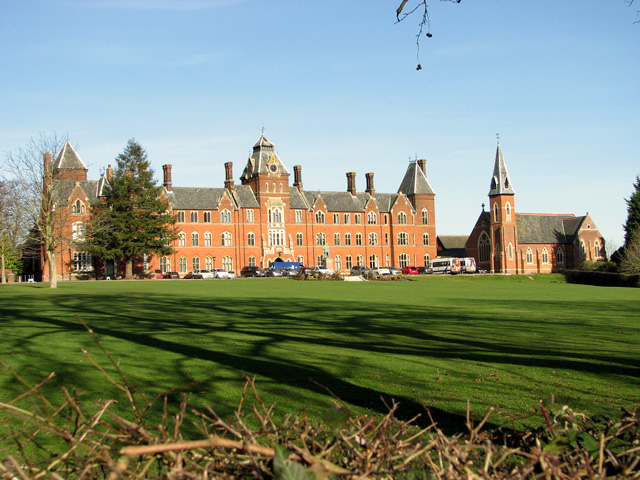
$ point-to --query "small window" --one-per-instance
(299, 239)
(349, 262)
(347, 239)
(195, 262)
(336, 218)
(207, 239)
(206, 217)
(336, 239)
(194, 217)
(347, 218)
(251, 239)
(373, 261)
(427, 260)
(319, 217)
(529, 256)
(298, 216)
(358, 239)
(402, 218)
(559, 256)
(358, 218)
(373, 238)
(321, 239)
(226, 239)
(403, 238)
(249, 216)
(252, 261)
(301, 259)
(507, 212)
(182, 239)
(165, 264)
(195, 239)
(227, 263)
(425, 216)
(372, 218)
(359, 260)
(545, 255)
(496, 213)
(338, 263)
(403, 260)
(182, 265)
(208, 263)
(180, 217)
(225, 216)
(510, 251)
(425, 239)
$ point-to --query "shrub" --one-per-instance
(592, 266)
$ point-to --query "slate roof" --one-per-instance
(415, 181)
(262, 157)
(245, 196)
(297, 199)
(385, 201)
(453, 241)
(543, 228)
(184, 198)
(336, 201)
(500, 182)
(69, 159)
(63, 188)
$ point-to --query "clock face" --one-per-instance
(273, 168)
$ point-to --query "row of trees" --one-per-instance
(132, 219)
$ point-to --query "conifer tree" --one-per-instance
(632, 227)
(134, 219)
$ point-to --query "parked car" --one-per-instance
(158, 274)
(232, 274)
(320, 270)
(394, 271)
(193, 275)
(208, 274)
(360, 270)
(171, 275)
(410, 271)
(272, 272)
(289, 272)
(306, 270)
(220, 273)
(424, 270)
(252, 272)
(379, 271)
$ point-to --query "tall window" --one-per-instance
(347, 218)
(338, 263)
(252, 261)
(529, 256)
(336, 218)
(347, 239)
(336, 239)
(182, 265)
(402, 218)
(373, 261)
(583, 250)
(496, 213)
(545, 255)
(427, 260)
(195, 240)
(372, 218)
(510, 251)
(596, 249)
(507, 212)
(165, 264)
(276, 236)
(319, 217)
(207, 239)
(386, 238)
(182, 239)
(484, 248)
(386, 260)
(180, 217)
(251, 239)
(208, 263)
(249, 216)
(78, 208)
(79, 232)
(195, 261)
(320, 239)
(225, 216)
(425, 239)
(206, 217)
(386, 219)
(403, 238)
(349, 262)
(359, 259)
(275, 215)
(226, 239)
(299, 241)
(373, 238)
(82, 262)
(404, 260)
(358, 218)
(358, 239)
(227, 263)
(194, 217)
(298, 216)
(425, 216)
(301, 259)
(559, 256)
(320, 259)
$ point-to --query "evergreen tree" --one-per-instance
(632, 227)
(133, 220)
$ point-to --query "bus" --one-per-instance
(446, 265)
(468, 265)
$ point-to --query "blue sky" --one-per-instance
(334, 85)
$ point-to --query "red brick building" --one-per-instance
(504, 241)
(263, 219)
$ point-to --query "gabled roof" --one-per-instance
(415, 181)
(63, 188)
(385, 201)
(336, 201)
(297, 199)
(69, 159)
(261, 159)
(547, 228)
(184, 198)
(500, 182)
(453, 241)
(245, 196)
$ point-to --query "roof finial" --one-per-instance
(498, 137)
(263, 129)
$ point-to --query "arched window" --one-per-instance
(319, 217)
(338, 263)
(252, 261)
(226, 239)
(510, 251)
(195, 261)
(386, 219)
(195, 239)
(583, 250)
(225, 216)
(507, 210)
(402, 218)
(425, 239)
(336, 218)
(249, 216)
(404, 260)
(208, 263)
(358, 239)
(529, 256)
(484, 248)
(182, 239)
(182, 265)
(336, 239)
(347, 239)
(403, 238)
(180, 217)
(165, 264)
(275, 215)
(251, 239)
(373, 238)
(373, 261)
(78, 208)
(496, 213)
(596, 250)
(545, 255)
(320, 259)
(425, 216)
(372, 218)
(207, 239)
(349, 264)
(559, 256)
(427, 260)
(227, 263)
(359, 259)
(301, 259)
(320, 239)
(299, 241)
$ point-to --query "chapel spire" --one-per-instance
(500, 182)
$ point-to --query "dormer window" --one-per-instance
(78, 208)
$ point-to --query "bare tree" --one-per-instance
(13, 226)
(32, 172)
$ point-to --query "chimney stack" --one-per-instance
(351, 183)
(297, 176)
(167, 177)
(109, 173)
(422, 164)
(370, 190)
(228, 182)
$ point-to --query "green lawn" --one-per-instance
(496, 341)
